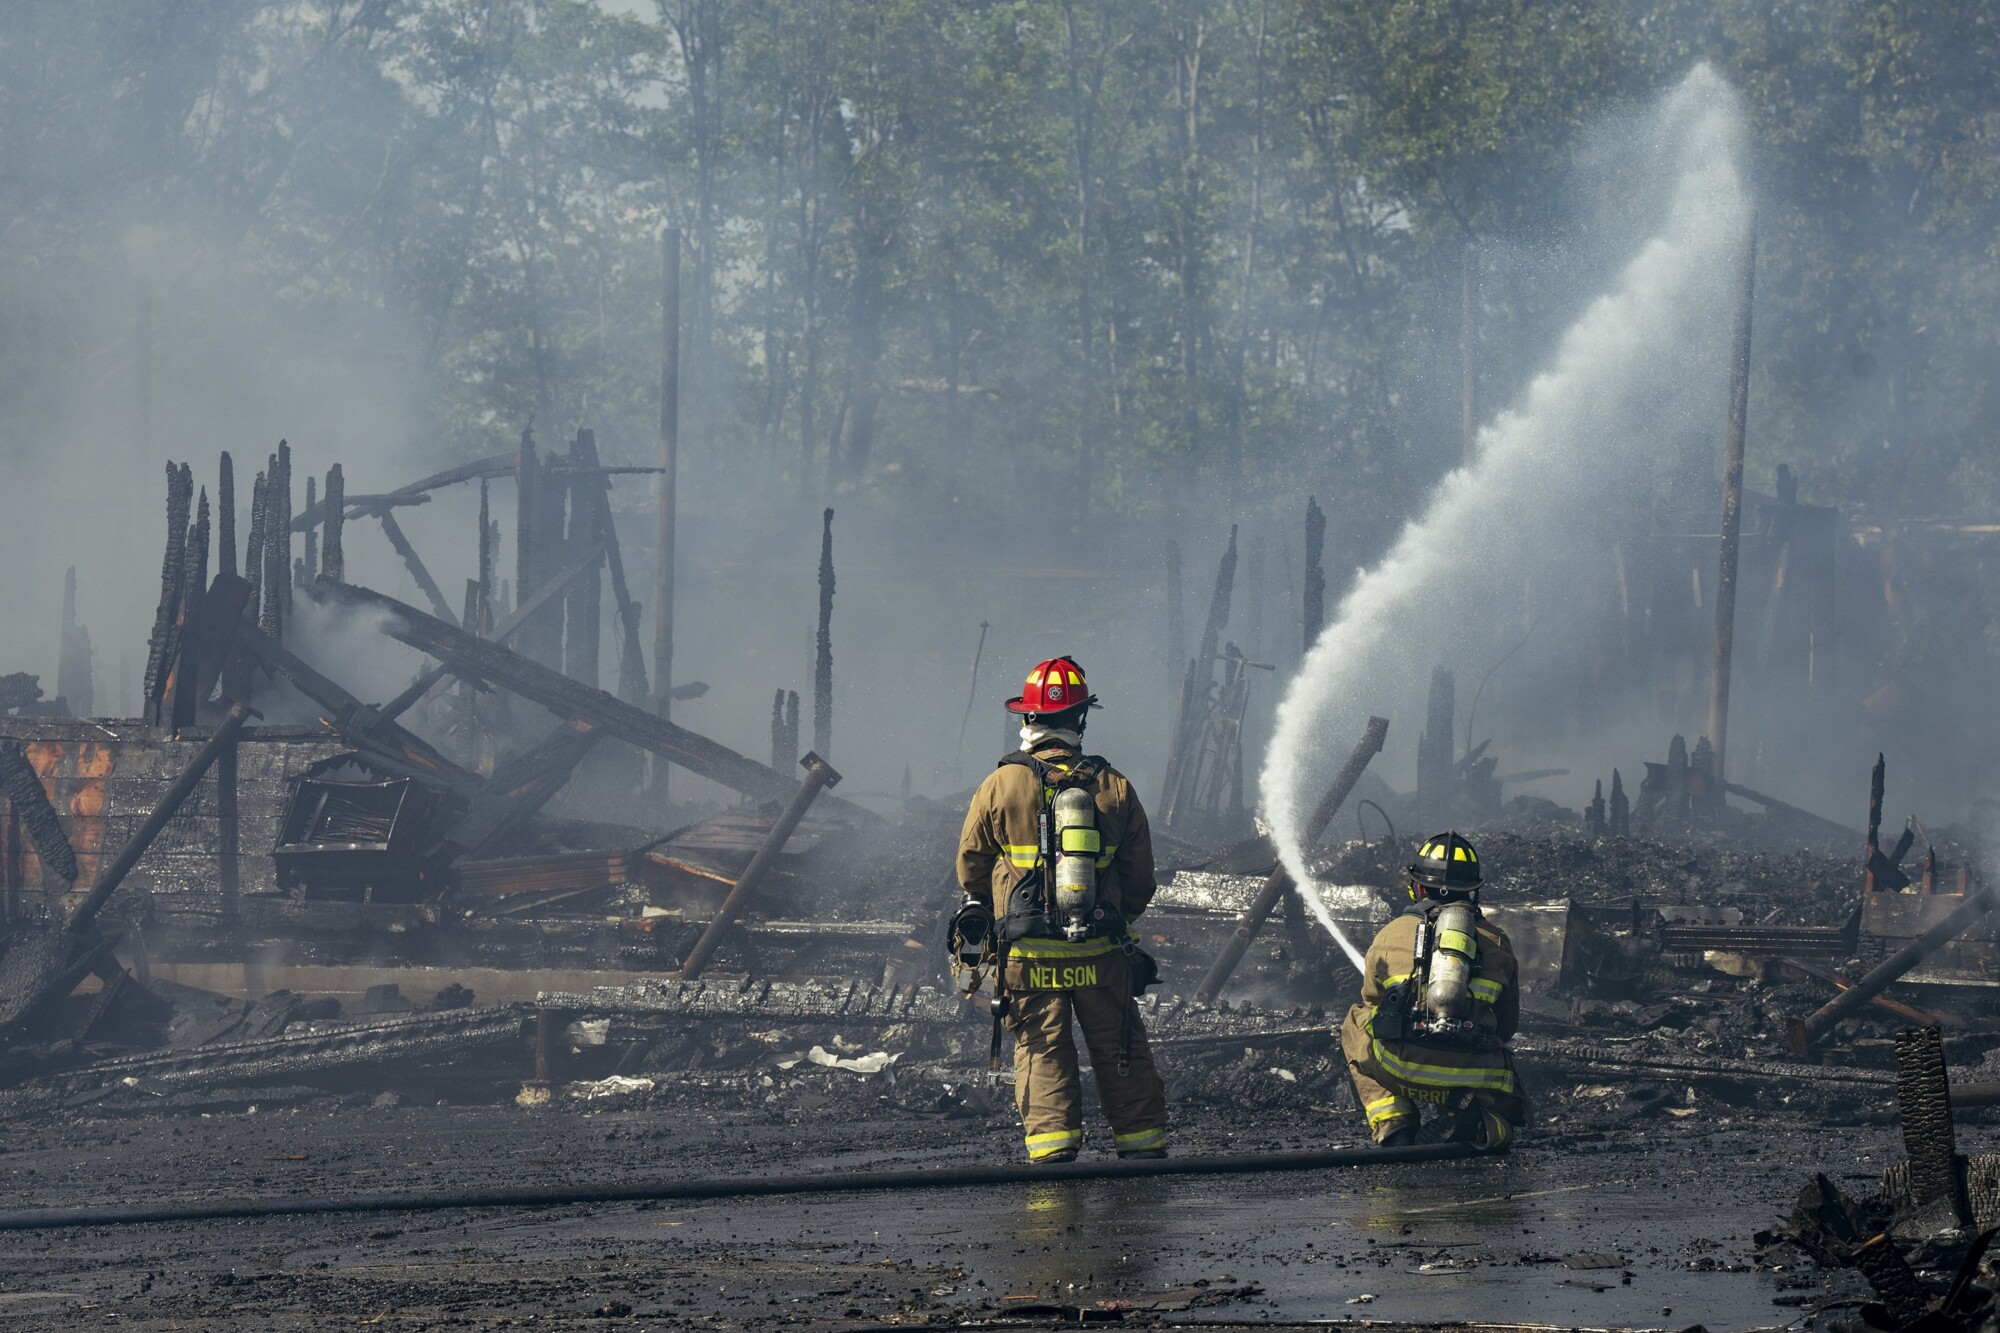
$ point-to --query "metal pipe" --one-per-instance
(819, 776)
(1279, 881)
(1804, 1032)
(1732, 510)
(855, 1182)
(109, 878)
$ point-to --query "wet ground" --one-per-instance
(1645, 1225)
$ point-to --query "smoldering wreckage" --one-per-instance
(211, 912)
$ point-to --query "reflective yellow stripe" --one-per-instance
(1391, 1107)
(1021, 856)
(1048, 1145)
(1441, 1076)
(1487, 989)
(1140, 1140)
(1040, 948)
(1391, 981)
(1082, 840)
(1458, 942)
(1104, 857)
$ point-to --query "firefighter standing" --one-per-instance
(1440, 999)
(1056, 848)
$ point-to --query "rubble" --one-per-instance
(279, 913)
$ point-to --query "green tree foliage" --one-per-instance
(1104, 256)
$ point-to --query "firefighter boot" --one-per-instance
(1400, 1136)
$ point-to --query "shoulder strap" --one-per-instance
(1025, 760)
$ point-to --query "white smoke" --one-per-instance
(1636, 389)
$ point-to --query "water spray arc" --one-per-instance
(1627, 401)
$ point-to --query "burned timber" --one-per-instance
(267, 927)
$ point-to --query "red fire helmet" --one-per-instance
(1054, 686)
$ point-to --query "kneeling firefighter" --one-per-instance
(1440, 998)
(1055, 860)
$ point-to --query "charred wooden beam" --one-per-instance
(39, 967)
(312, 531)
(819, 776)
(823, 642)
(33, 810)
(225, 515)
(358, 724)
(417, 492)
(1807, 1031)
(484, 660)
(584, 599)
(480, 620)
(173, 568)
(1832, 978)
(505, 630)
(276, 556)
(333, 558)
(322, 1052)
(631, 660)
(253, 549)
(541, 633)
(1881, 1261)
(434, 594)
(1279, 881)
(1923, 1104)
(182, 692)
(1772, 803)
(518, 788)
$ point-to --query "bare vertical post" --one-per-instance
(225, 515)
(1732, 510)
(670, 408)
(823, 659)
(482, 619)
(333, 550)
(312, 532)
(1467, 406)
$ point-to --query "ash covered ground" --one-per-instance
(1672, 1131)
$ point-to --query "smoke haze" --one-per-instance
(1634, 392)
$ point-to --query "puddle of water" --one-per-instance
(1450, 1241)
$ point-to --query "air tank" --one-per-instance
(1449, 992)
(1077, 846)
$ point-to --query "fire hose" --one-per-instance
(728, 1187)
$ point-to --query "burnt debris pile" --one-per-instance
(1922, 1238)
(274, 879)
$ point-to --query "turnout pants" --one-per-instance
(1394, 1079)
(1048, 1087)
